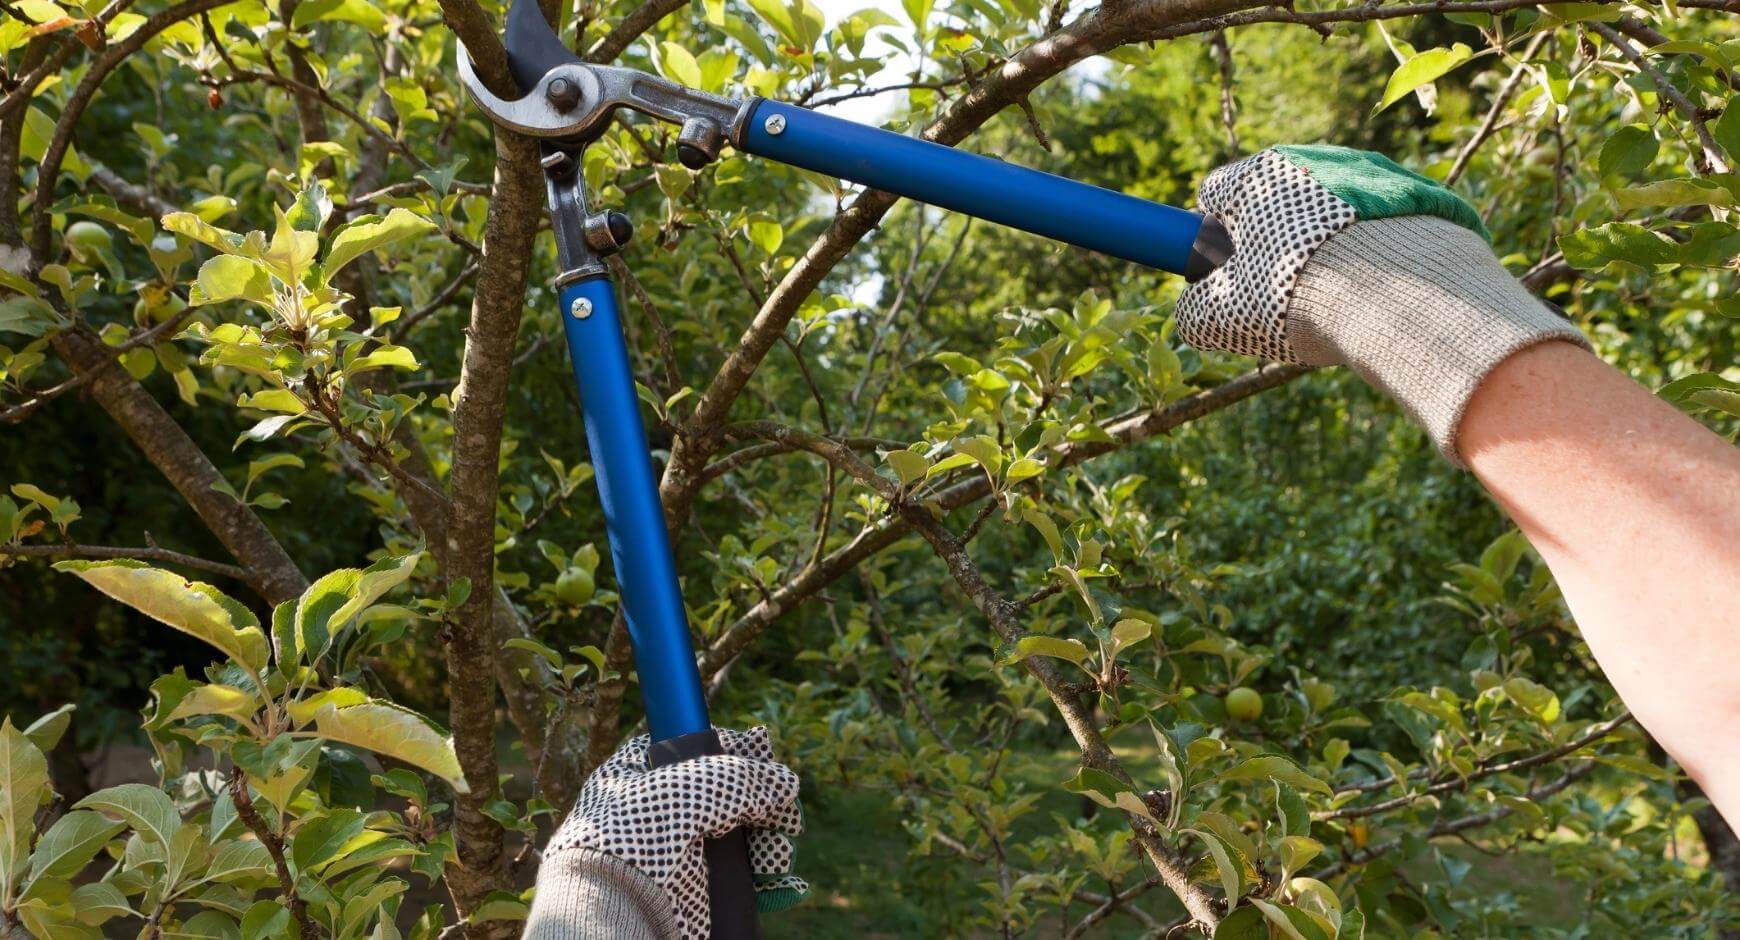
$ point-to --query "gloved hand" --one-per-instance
(628, 861)
(1341, 257)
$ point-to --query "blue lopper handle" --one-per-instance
(1112, 223)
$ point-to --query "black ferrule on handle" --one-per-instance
(730, 881)
(1212, 247)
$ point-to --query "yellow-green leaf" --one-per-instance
(396, 732)
(189, 606)
(215, 699)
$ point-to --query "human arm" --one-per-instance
(1636, 509)
(1342, 258)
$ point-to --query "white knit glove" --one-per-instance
(1341, 257)
(656, 820)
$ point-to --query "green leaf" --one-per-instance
(983, 450)
(1629, 150)
(499, 905)
(370, 232)
(1726, 129)
(1052, 646)
(302, 711)
(1277, 768)
(215, 699)
(1245, 923)
(909, 467)
(1290, 922)
(189, 606)
(1422, 69)
(23, 786)
(679, 65)
(237, 859)
(1047, 530)
(1501, 556)
(1592, 249)
(26, 316)
(1703, 389)
(360, 12)
(100, 901)
(1231, 872)
(192, 226)
(1023, 469)
(266, 920)
(396, 732)
(1296, 853)
(36, 494)
(1534, 698)
(1127, 633)
(320, 839)
(147, 809)
(1097, 785)
(228, 277)
(46, 732)
(766, 234)
(280, 400)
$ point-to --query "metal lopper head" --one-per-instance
(571, 102)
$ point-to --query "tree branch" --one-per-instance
(250, 817)
(1499, 100)
(1456, 782)
(48, 168)
(1712, 151)
(1462, 824)
(269, 569)
(145, 553)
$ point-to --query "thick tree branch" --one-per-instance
(269, 569)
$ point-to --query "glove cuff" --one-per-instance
(1421, 309)
(585, 894)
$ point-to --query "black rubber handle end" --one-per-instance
(1213, 246)
(730, 880)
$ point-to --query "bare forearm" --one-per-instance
(1636, 509)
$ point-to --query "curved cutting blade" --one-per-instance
(533, 48)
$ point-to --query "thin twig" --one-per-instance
(1452, 782)
(142, 553)
(250, 817)
(1499, 101)
(1712, 155)
(1223, 58)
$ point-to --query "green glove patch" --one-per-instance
(1378, 187)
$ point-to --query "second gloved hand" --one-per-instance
(1341, 257)
(628, 861)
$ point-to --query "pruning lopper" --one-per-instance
(568, 103)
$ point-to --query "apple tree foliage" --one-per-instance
(293, 466)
